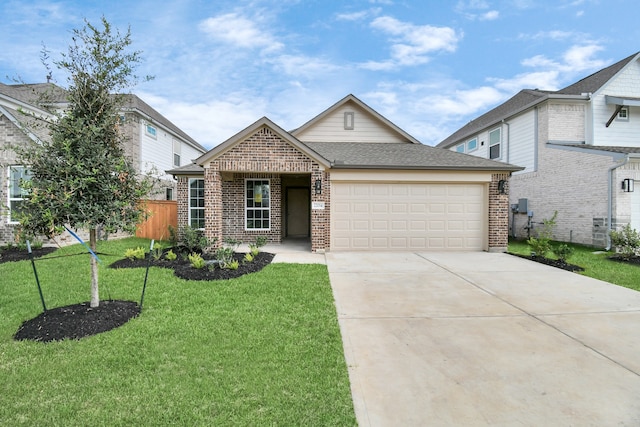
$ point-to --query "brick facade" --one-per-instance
(262, 155)
(498, 213)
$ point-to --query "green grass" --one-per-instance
(595, 262)
(263, 349)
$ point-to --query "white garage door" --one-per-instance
(402, 216)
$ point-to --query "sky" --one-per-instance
(428, 66)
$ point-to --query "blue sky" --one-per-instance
(427, 66)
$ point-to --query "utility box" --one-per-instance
(523, 205)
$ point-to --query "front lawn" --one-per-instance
(262, 349)
(596, 264)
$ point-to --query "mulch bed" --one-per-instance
(183, 269)
(632, 260)
(80, 320)
(552, 262)
(77, 321)
(14, 253)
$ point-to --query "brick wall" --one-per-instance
(498, 213)
(263, 155)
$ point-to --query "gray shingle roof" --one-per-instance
(522, 100)
(621, 150)
(595, 81)
(190, 169)
(526, 98)
(351, 155)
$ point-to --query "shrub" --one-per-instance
(232, 265)
(170, 255)
(626, 241)
(224, 255)
(157, 252)
(192, 240)
(541, 244)
(196, 260)
(249, 257)
(254, 248)
(132, 254)
(562, 251)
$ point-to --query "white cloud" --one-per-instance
(411, 43)
(490, 16)
(358, 16)
(239, 31)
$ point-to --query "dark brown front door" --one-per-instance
(298, 211)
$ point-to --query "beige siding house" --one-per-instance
(153, 143)
(346, 180)
(579, 147)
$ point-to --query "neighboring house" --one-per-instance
(348, 179)
(580, 149)
(153, 142)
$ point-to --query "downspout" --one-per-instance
(610, 205)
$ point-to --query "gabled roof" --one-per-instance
(528, 98)
(190, 169)
(523, 100)
(250, 130)
(135, 103)
(352, 98)
(359, 155)
(592, 83)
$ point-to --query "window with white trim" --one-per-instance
(257, 204)
(495, 139)
(17, 174)
(460, 148)
(196, 203)
(151, 131)
(623, 114)
(472, 145)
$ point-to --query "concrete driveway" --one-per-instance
(485, 339)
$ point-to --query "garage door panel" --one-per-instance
(407, 216)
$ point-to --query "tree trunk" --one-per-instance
(95, 295)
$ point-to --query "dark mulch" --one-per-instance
(77, 321)
(632, 260)
(552, 262)
(13, 253)
(183, 269)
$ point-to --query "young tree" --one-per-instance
(81, 177)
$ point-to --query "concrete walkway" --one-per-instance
(484, 339)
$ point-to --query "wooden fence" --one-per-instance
(163, 213)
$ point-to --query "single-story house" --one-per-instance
(348, 179)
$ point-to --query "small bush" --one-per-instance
(224, 255)
(231, 265)
(562, 251)
(539, 246)
(132, 254)
(196, 261)
(157, 252)
(193, 240)
(626, 241)
(170, 255)
(249, 257)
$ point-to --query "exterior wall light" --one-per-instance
(502, 187)
(318, 186)
(627, 185)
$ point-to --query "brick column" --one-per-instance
(498, 214)
(213, 205)
(320, 218)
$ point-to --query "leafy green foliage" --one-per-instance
(249, 257)
(81, 176)
(157, 252)
(541, 245)
(626, 241)
(224, 255)
(232, 265)
(562, 251)
(170, 255)
(196, 260)
(192, 240)
(137, 253)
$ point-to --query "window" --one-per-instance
(169, 194)
(17, 174)
(176, 159)
(472, 145)
(196, 203)
(460, 148)
(257, 204)
(494, 144)
(151, 131)
(623, 114)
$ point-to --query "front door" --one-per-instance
(298, 211)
